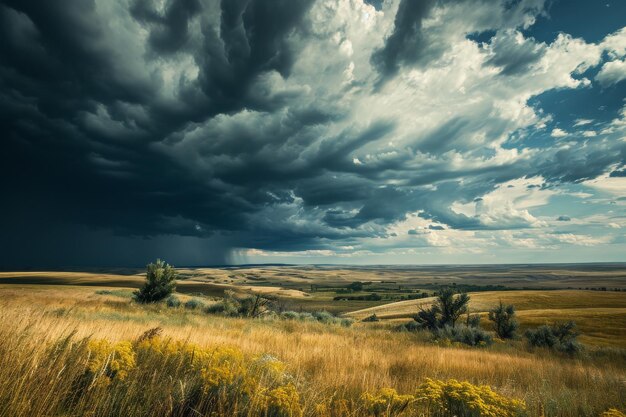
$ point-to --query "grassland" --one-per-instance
(537, 307)
(40, 309)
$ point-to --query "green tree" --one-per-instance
(160, 282)
(451, 306)
(356, 286)
(446, 310)
(504, 323)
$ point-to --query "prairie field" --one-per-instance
(51, 321)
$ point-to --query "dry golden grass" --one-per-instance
(600, 315)
(522, 300)
(328, 359)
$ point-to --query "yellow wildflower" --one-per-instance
(110, 361)
(613, 412)
(386, 402)
(448, 398)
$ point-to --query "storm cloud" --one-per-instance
(199, 130)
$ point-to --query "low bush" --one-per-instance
(321, 316)
(411, 326)
(346, 322)
(194, 304)
(173, 301)
(559, 337)
(233, 306)
(324, 317)
(471, 336)
(224, 307)
(290, 315)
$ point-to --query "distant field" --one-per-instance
(561, 276)
(314, 287)
(600, 316)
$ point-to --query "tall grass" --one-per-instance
(47, 351)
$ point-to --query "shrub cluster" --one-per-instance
(173, 301)
(250, 306)
(255, 306)
(320, 316)
(560, 337)
(468, 335)
(443, 317)
(194, 304)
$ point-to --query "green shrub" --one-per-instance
(173, 301)
(194, 304)
(226, 307)
(560, 337)
(411, 326)
(254, 306)
(305, 316)
(160, 282)
(347, 322)
(321, 316)
(290, 315)
(251, 306)
(471, 336)
(446, 310)
(294, 315)
(324, 317)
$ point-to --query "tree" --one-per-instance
(504, 323)
(355, 286)
(446, 310)
(428, 318)
(451, 307)
(160, 282)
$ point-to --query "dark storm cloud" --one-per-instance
(138, 130)
(407, 42)
(170, 30)
(79, 115)
(251, 40)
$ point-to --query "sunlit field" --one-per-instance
(50, 335)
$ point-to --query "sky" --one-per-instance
(212, 132)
